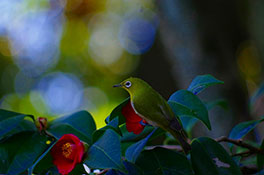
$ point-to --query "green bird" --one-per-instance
(153, 108)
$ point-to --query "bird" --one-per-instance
(154, 109)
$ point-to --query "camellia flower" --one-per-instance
(67, 152)
(134, 123)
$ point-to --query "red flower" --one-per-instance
(134, 123)
(67, 152)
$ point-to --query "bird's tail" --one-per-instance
(178, 133)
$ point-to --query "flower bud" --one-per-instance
(41, 123)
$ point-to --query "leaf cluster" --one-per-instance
(115, 151)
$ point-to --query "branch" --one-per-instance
(171, 147)
(243, 154)
(240, 143)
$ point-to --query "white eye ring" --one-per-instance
(128, 84)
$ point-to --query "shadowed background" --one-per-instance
(61, 56)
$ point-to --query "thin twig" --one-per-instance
(243, 154)
(240, 143)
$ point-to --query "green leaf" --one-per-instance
(134, 150)
(20, 151)
(24, 125)
(219, 102)
(260, 157)
(9, 123)
(5, 114)
(43, 162)
(98, 133)
(79, 169)
(185, 103)
(202, 82)
(163, 161)
(81, 121)
(188, 122)
(117, 112)
(60, 129)
(113, 124)
(131, 137)
(241, 129)
(106, 152)
(209, 157)
(132, 169)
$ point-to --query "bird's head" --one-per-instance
(132, 85)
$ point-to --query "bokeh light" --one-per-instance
(93, 98)
(104, 47)
(249, 63)
(137, 35)
(61, 92)
(31, 55)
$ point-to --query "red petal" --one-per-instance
(132, 119)
(66, 165)
(136, 128)
(130, 114)
(80, 152)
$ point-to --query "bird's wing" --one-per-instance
(165, 112)
(169, 115)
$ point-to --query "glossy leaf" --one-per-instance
(131, 168)
(5, 114)
(9, 122)
(163, 161)
(24, 125)
(131, 137)
(185, 114)
(81, 121)
(134, 150)
(20, 151)
(188, 123)
(106, 152)
(202, 82)
(113, 124)
(184, 103)
(98, 133)
(44, 162)
(209, 157)
(60, 129)
(241, 129)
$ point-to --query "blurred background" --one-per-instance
(61, 56)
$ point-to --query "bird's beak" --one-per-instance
(117, 85)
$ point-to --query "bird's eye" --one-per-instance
(128, 84)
